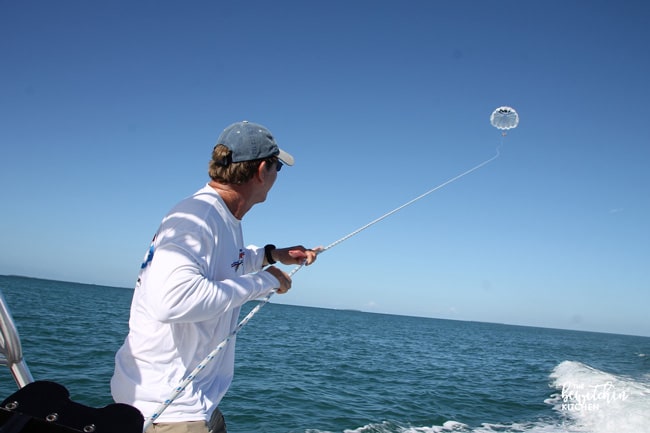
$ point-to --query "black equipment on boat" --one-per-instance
(45, 407)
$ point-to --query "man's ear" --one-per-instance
(262, 171)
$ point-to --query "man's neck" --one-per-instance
(234, 196)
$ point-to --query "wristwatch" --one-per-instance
(268, 250)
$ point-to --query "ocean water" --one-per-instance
(311, 370)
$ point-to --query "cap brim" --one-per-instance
(285, 157)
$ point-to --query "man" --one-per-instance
(194, 279)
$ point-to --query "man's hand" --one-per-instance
(283, 278)
(296, 255)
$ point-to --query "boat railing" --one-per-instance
(11, 351)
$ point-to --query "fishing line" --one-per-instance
(180, 388)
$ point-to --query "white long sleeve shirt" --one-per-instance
(194, 279)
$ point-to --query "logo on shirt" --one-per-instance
(149, 256)
(240, 260)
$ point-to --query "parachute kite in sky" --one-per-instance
(504, 118)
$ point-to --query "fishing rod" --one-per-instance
(181, 387)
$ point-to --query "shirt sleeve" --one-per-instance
(254, 260)
(177, 284)
(186, 295)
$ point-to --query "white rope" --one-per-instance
(180, 388)
(386, 215)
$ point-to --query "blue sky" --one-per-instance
(109, 111)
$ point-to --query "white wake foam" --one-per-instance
(586, 400)
(600, 402)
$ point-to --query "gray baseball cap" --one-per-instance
(248, 141)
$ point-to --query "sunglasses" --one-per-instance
(278, 165)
